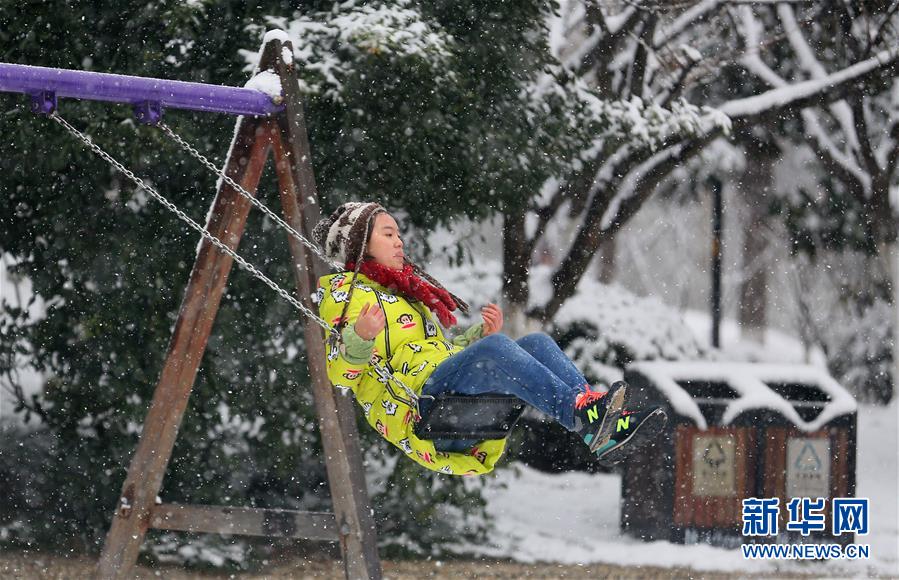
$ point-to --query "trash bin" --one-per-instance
(736, 431)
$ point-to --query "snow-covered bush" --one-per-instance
(860, 356)
(419, 513)
(604, 327)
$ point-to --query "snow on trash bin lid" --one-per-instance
(751, 384)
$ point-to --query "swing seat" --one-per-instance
(475, 417)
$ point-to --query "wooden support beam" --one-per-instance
(352, 524)
(191, 334)
(336, 414)
(245, 521)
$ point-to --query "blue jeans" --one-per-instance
(534, 369)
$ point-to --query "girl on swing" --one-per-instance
(383, 305)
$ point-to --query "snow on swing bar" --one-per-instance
(46, 84)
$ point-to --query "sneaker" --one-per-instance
(595, 414)
(633, 430)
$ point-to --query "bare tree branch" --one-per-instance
(638, 70)
(845, 19)
(834, 160)
(743, 112)
(678, 85)
(815, 69)
(893, 155)
(811, 92)
(595, 18)
(592, 232)
(686, 20)
(595, 60)
(861, 130)
(887, 22)
(851, 180)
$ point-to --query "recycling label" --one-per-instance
(714, 466)
(808, 468)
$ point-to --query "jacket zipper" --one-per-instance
(389, 355)
(424, 321)
(424, 325)
(386, 329)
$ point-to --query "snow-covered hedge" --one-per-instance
(603, 328)
(861, 356)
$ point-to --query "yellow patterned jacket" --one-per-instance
(410, 346)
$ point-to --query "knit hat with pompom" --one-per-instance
(344, 234)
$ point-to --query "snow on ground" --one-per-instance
(878, 479)
(573, 517)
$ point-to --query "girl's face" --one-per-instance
(384, 243)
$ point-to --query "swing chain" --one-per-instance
(246, 194)
(334, 335)
(330, 330)
(187, 219)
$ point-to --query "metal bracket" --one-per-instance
(43, 103)
(148, 112)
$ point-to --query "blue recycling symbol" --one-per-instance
(808, 459)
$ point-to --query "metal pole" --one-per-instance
(893, 251)
(134, 90)
(717, 219)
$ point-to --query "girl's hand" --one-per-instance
(493, 319)
(370, 322)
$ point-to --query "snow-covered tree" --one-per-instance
(845, 205)
(719, 55)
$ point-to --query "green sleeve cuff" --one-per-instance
(357, 350)
(470, 336)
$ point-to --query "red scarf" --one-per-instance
(407, 283)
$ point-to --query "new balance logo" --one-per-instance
(593, 414)
(623, 423)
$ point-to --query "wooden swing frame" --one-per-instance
(352, 522)
(276, 125)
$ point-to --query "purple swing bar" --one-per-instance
(149, 95)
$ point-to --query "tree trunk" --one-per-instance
(516, 268)
(606, 269)
(891, 253)
(756, 187)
